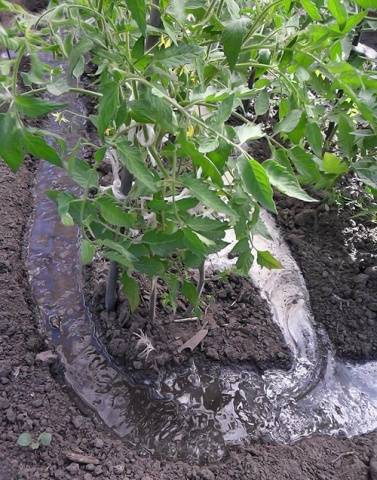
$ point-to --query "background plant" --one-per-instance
(182, 86)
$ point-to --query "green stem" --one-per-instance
(71, 89)
(16, 68)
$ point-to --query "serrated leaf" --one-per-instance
(82, 173)
(338, 10)
(177, 55)
(24, 440)
(311, 8)
(314, 136)
(45, 439)
(367, 171)
(345, 135)
(138, 11)
(262, 103)
(209, 168)
(285, 181)
(58, 87)
(190, 292)
(209, 198)
(151, 266)
(11, 150)
(150, 108)
(132, 291)
(37, 146)
(232, 38)
(78, 50)
(249, 131)
(133, 159)
(87, 251)
(34, 107)
(332, 164)
(108, 105)
(267, 260)
(305, 165)
(290, 121)
(114, 214)
(256, 182)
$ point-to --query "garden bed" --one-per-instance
(239, 323)
(32, 398)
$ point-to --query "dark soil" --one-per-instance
(33, 400)
(338, 257)
(239, 323)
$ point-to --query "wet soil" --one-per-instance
(239, 323)
(338, 257)
(32, 398)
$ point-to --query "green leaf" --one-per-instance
(256, 182)
(209, 198)
(305, 165)
(209, 168)
(367, 171)
(265, 259)
(345, 135)
(150, 108)
(314, 137)
(114, 214)
(367, 3)
(87, 251)
(35, 107)
(332, 164)
(232, 39)
(311, 9)
(177, 55)
(63, 201)
(82, 173)
(132, 290)
(37, 146)
(249, 131)
(262, 103)
(77, 52)
(244, 262)
(138, 11)
(11, 150)
(45, 439)
(285, 181)
(195, 243)
(190, 292)
(338, 10)
(58, 87)
(290, 121)
(24, 440)
(133, 159)
(151, 266)
(108, 105)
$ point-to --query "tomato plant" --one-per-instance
(182, 87)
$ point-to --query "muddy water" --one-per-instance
(201, 412)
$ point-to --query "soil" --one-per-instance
(239, 323)
(33, 398)
(338, 257)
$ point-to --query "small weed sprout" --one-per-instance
(25, 440)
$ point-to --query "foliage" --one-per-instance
(25, 440)
(176, 117)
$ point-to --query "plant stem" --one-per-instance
(153, 300)
(201, 279)
(154, 21)
(111, 296)
(112, 279)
